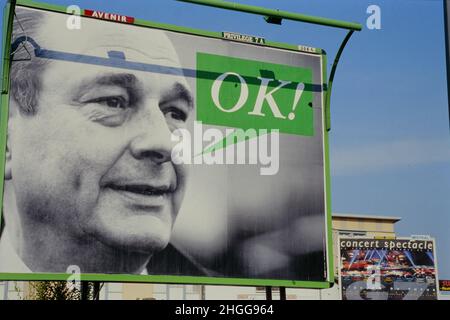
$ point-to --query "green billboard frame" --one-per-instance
(7, 31)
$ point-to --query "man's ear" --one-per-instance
(8, 151)
(8, 171)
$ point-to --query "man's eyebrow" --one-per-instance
(128, 81)
(118, 79)
(179, 91)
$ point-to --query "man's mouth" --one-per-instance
(143, 195)
(145, 190)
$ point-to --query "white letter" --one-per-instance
(229, 152)
(216, 156)
(374, 279)
(240, 136)
(274, 160)
(74, 21)
(73, 281)
(216, 89)
(198, 142)
(181, 152)
(374, 20)
(262, 95)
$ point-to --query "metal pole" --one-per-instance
(282, 293)
(330, 81)
(268, 293)
(7, 34)
(278, 14)
(84, 290)
(106, 286)
(202, 292)
(96, 291)
(5, 290)
(447, 49)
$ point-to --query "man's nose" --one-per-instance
(153, 140)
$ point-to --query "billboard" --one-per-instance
(144, 152)
(382, 269)
(444, 285)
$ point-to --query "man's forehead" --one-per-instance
(99, 38)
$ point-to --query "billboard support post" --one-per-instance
(84, 290)
(268, 293)
(282, 293)
(7, 33)
(96, 290)
(330, 80)
(447, 48)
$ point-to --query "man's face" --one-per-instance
(94, 161)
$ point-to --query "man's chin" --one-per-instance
(144, 244)
(125, 233)
(147, 247)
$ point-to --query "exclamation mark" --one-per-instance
(298, 95)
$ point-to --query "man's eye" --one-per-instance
(111, 102)
(176, 114)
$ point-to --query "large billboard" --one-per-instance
(383, 269)
(144, 152)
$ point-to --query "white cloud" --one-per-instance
(388, 155)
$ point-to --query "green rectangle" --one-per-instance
(251, 94)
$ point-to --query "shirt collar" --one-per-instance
(9, 259)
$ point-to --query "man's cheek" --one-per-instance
(87, 177)
(102, 147)
(87, 184)
(182, 173)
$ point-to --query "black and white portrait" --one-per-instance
(90, 179)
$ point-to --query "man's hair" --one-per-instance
(26, 68)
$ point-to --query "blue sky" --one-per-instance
(390, 140)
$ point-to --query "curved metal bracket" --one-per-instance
(7, 34)
(330, 80)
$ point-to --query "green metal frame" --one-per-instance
(164, 26)
(327, 174)
(276, 15)
(163, 278)
(330, 80)
(8, 17)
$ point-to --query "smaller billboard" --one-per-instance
(444, 285)
(382, 269)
